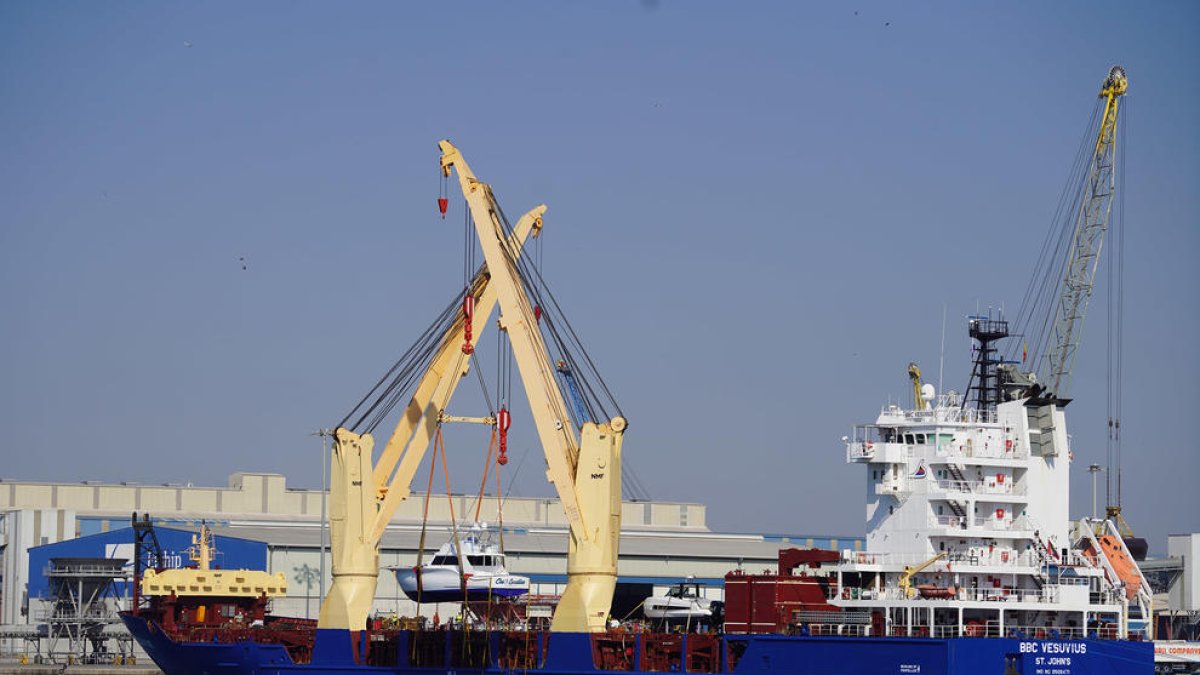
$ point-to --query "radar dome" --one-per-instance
(927, 392)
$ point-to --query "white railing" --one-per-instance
(878, 451)
(940, 413)
(987, 449)
(980, 557)
(986, 487)
(1004, 524)
(985, 523)
(835, 629)
(1048, 594)
(860, 450)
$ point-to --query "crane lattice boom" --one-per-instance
(1091, 223)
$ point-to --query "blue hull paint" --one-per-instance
(571, 654)
(203, 658)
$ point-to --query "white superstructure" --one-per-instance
(968, 530)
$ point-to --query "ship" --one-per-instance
(970, 565)
(203, 604)
(971, 562)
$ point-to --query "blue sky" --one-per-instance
(758, 212)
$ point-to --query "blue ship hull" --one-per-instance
(572, 654)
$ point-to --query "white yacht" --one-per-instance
(478, 574)
(683, 602)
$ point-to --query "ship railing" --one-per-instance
(978, 557)
(880, 451)
(993, 523)
(862, 558)
(1105, 598)
(835, 629)
(984, 450)
(995, 557)
(992, 629)
(953, 522)
(986, 487)
(1049, 594)
(944, 412)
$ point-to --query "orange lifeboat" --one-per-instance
(931, 591)
(1126, 568)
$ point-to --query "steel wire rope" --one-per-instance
(412, 357)
(1116, 322)
(514, 268)
(418, 572)
(1054, 279)
(419, 366)
(1027, 307)
(401, 388)
(590, 397)
(1048, 271)
(533, 281)
(1066, 199)
(402, 361)
(580, 374)
(440, 446)
(536, 284)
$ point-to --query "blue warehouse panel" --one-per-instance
(232, 553)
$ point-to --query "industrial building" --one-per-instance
(261, 523)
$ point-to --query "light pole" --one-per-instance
(324, 434)
(304, 575)
(1094, 469)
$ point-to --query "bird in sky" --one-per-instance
(243, 261)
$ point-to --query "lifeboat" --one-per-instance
(936, 592)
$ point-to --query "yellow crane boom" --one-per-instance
(585, 471)
(584, 466)
(364, 495)
(910, 572)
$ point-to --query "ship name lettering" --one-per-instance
(1064, 648)
(1054, 647)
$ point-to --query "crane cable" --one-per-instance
(1116, 322)
(424, 525)
(1037, 309)
(440, 447)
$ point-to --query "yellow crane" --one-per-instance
(914, 374)
(585, 468)
(910, 572)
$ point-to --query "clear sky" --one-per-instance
(758, 212)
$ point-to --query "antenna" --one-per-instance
(942, 353)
